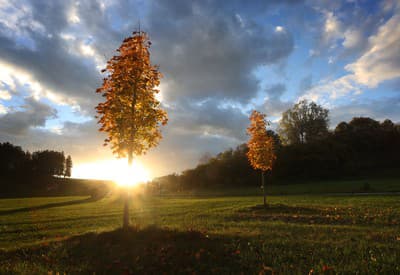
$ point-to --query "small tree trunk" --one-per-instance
(125, 222)
(263, 187)
(130, 157)
(125, 217)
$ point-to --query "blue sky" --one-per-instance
(220, 59)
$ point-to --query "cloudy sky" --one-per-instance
(220, 59)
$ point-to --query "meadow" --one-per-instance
(198, 233)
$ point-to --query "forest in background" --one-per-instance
(360, 148)
(23, 170)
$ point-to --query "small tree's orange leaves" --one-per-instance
(261, 146)
(131, 114)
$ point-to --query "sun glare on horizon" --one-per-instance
(116, 170)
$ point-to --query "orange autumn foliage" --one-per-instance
(131, 114)
(261, 146)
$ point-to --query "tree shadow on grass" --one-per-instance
(148, 251)
(49, 205)
(53, 223)
(314, 215)
(283, 208)
(298, 214)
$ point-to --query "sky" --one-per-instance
(220, 60)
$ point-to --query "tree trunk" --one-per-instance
(130, 156)
(125, 221)
(125, 218)
(263, 187)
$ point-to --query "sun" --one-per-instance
(116, 170)
(130, 175)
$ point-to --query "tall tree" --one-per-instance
(48, 163)
(304, 122)
(261, 152)
(11, 158)
(68, 167)
(131, 114)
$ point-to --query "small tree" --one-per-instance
(68, 167)
(261, 152)
(131, 114)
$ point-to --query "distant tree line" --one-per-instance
(306, 149)
(17, 164)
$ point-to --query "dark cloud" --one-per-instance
(273, 105)
(379, 109)
(31, 114)
(209, 118)
(276, 91)
(182, 149)
(213, 52)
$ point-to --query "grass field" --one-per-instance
(377, 185)
(230, 234)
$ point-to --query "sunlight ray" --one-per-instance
(116, 170)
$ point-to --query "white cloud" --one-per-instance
(58, 130)
(332, 28)
(87, 50)
(352, 38)
(79, 45)
(382, 60)
(3, 110)
(67, 36)
(328, 90)
(17, 20)
(5, 95)
(17, 14)
(240, 20)
(72, 15)
(388, 5)
(14, 77)
(313, 53)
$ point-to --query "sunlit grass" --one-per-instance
(296, 234)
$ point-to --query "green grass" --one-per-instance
(371, 185)
(230, 234)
